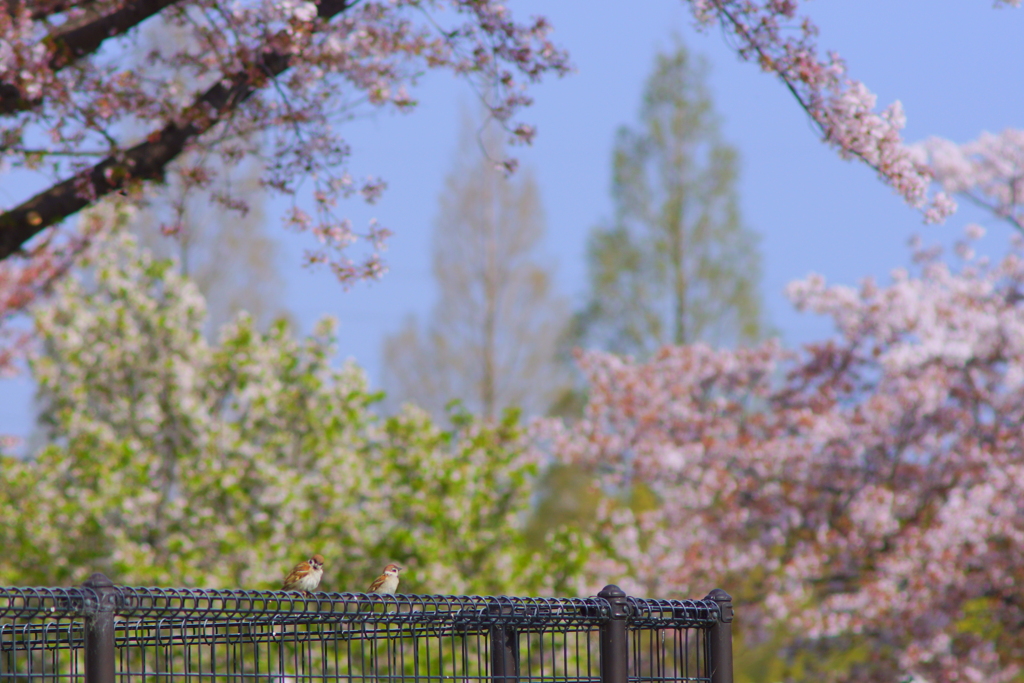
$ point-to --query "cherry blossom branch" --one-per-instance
(200, 91)
(42, 10)
(840, 107)
(147, 160)
(994, 208)
(24, 151)
(67, 46)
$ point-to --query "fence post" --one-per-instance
(99, 631)
(504, 647)
(720, 637)
(614, 644)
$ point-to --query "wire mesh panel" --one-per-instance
(668, 640)
(41, 633)
(206, 635)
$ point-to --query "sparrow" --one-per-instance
(306, 575)
(386, 583)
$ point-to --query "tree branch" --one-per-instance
(147, 160)
(42, 10)
(72, 44)
(77, 42)
(994, 209)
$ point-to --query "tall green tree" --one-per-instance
(492, 337)
(676, 264)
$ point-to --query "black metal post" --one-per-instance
(504, 648)
(720, 638)
(614, 644)
(99, 630)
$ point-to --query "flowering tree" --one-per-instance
(866, 490)
(174, 461)
(92, 116)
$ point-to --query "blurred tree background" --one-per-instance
(491, 338)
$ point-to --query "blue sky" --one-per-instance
(957, 67)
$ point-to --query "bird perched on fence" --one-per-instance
(306, 575)
(386, 583)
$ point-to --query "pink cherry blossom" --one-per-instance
(873, 482)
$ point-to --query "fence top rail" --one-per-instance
(467, 611)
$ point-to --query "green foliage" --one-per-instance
(567, 495)
(784, 657)
(174, 461)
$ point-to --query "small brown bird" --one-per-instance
(386, 583)
(306, 575)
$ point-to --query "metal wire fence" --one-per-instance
(101, 633)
